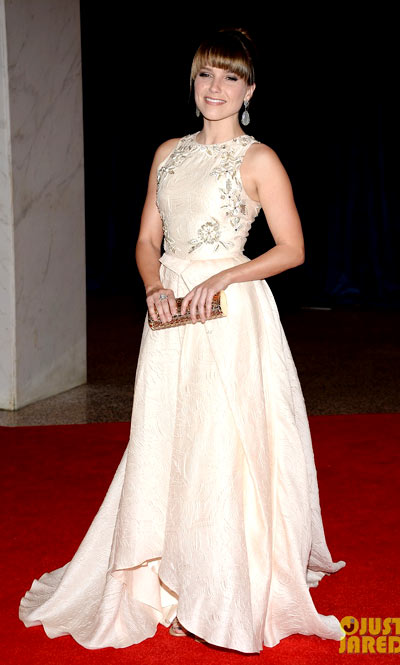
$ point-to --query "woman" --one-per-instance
(212, 523)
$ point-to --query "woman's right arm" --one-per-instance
(149, 243)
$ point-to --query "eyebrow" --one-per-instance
(228, 71)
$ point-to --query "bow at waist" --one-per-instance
(179, 264)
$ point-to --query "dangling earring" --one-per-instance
(245, 114)
(198, 112)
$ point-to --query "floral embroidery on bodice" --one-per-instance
(203, 206)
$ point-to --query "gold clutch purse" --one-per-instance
(219, 307)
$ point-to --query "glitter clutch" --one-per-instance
(219, 307)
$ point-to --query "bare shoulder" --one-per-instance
(260, 155)
(164, 150)
(262, 171)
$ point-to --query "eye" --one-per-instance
(232, 77)
(204, 74)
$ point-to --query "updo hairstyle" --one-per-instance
(229, 48)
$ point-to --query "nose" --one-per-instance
(215, 85)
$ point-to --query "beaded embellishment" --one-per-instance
(209, 233)
(169, 241)
(231, 194)
(231, 190)
(178, 155)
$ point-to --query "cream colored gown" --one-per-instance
(213, 513)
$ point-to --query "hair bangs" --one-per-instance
(213, 57)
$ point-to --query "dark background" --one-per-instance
(324, 101)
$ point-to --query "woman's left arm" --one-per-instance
(265, 180)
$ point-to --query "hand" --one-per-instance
(166, 307)
(201, 296)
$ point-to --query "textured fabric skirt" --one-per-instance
(213, 513)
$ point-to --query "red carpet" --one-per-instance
(54, 479)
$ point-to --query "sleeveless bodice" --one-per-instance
(204, 208)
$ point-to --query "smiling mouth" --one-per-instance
(212, 100)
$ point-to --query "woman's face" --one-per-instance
(220, 93)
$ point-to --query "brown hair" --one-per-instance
(229, 48)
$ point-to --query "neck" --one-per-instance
(219, 131)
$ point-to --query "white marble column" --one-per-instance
(42, 230)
